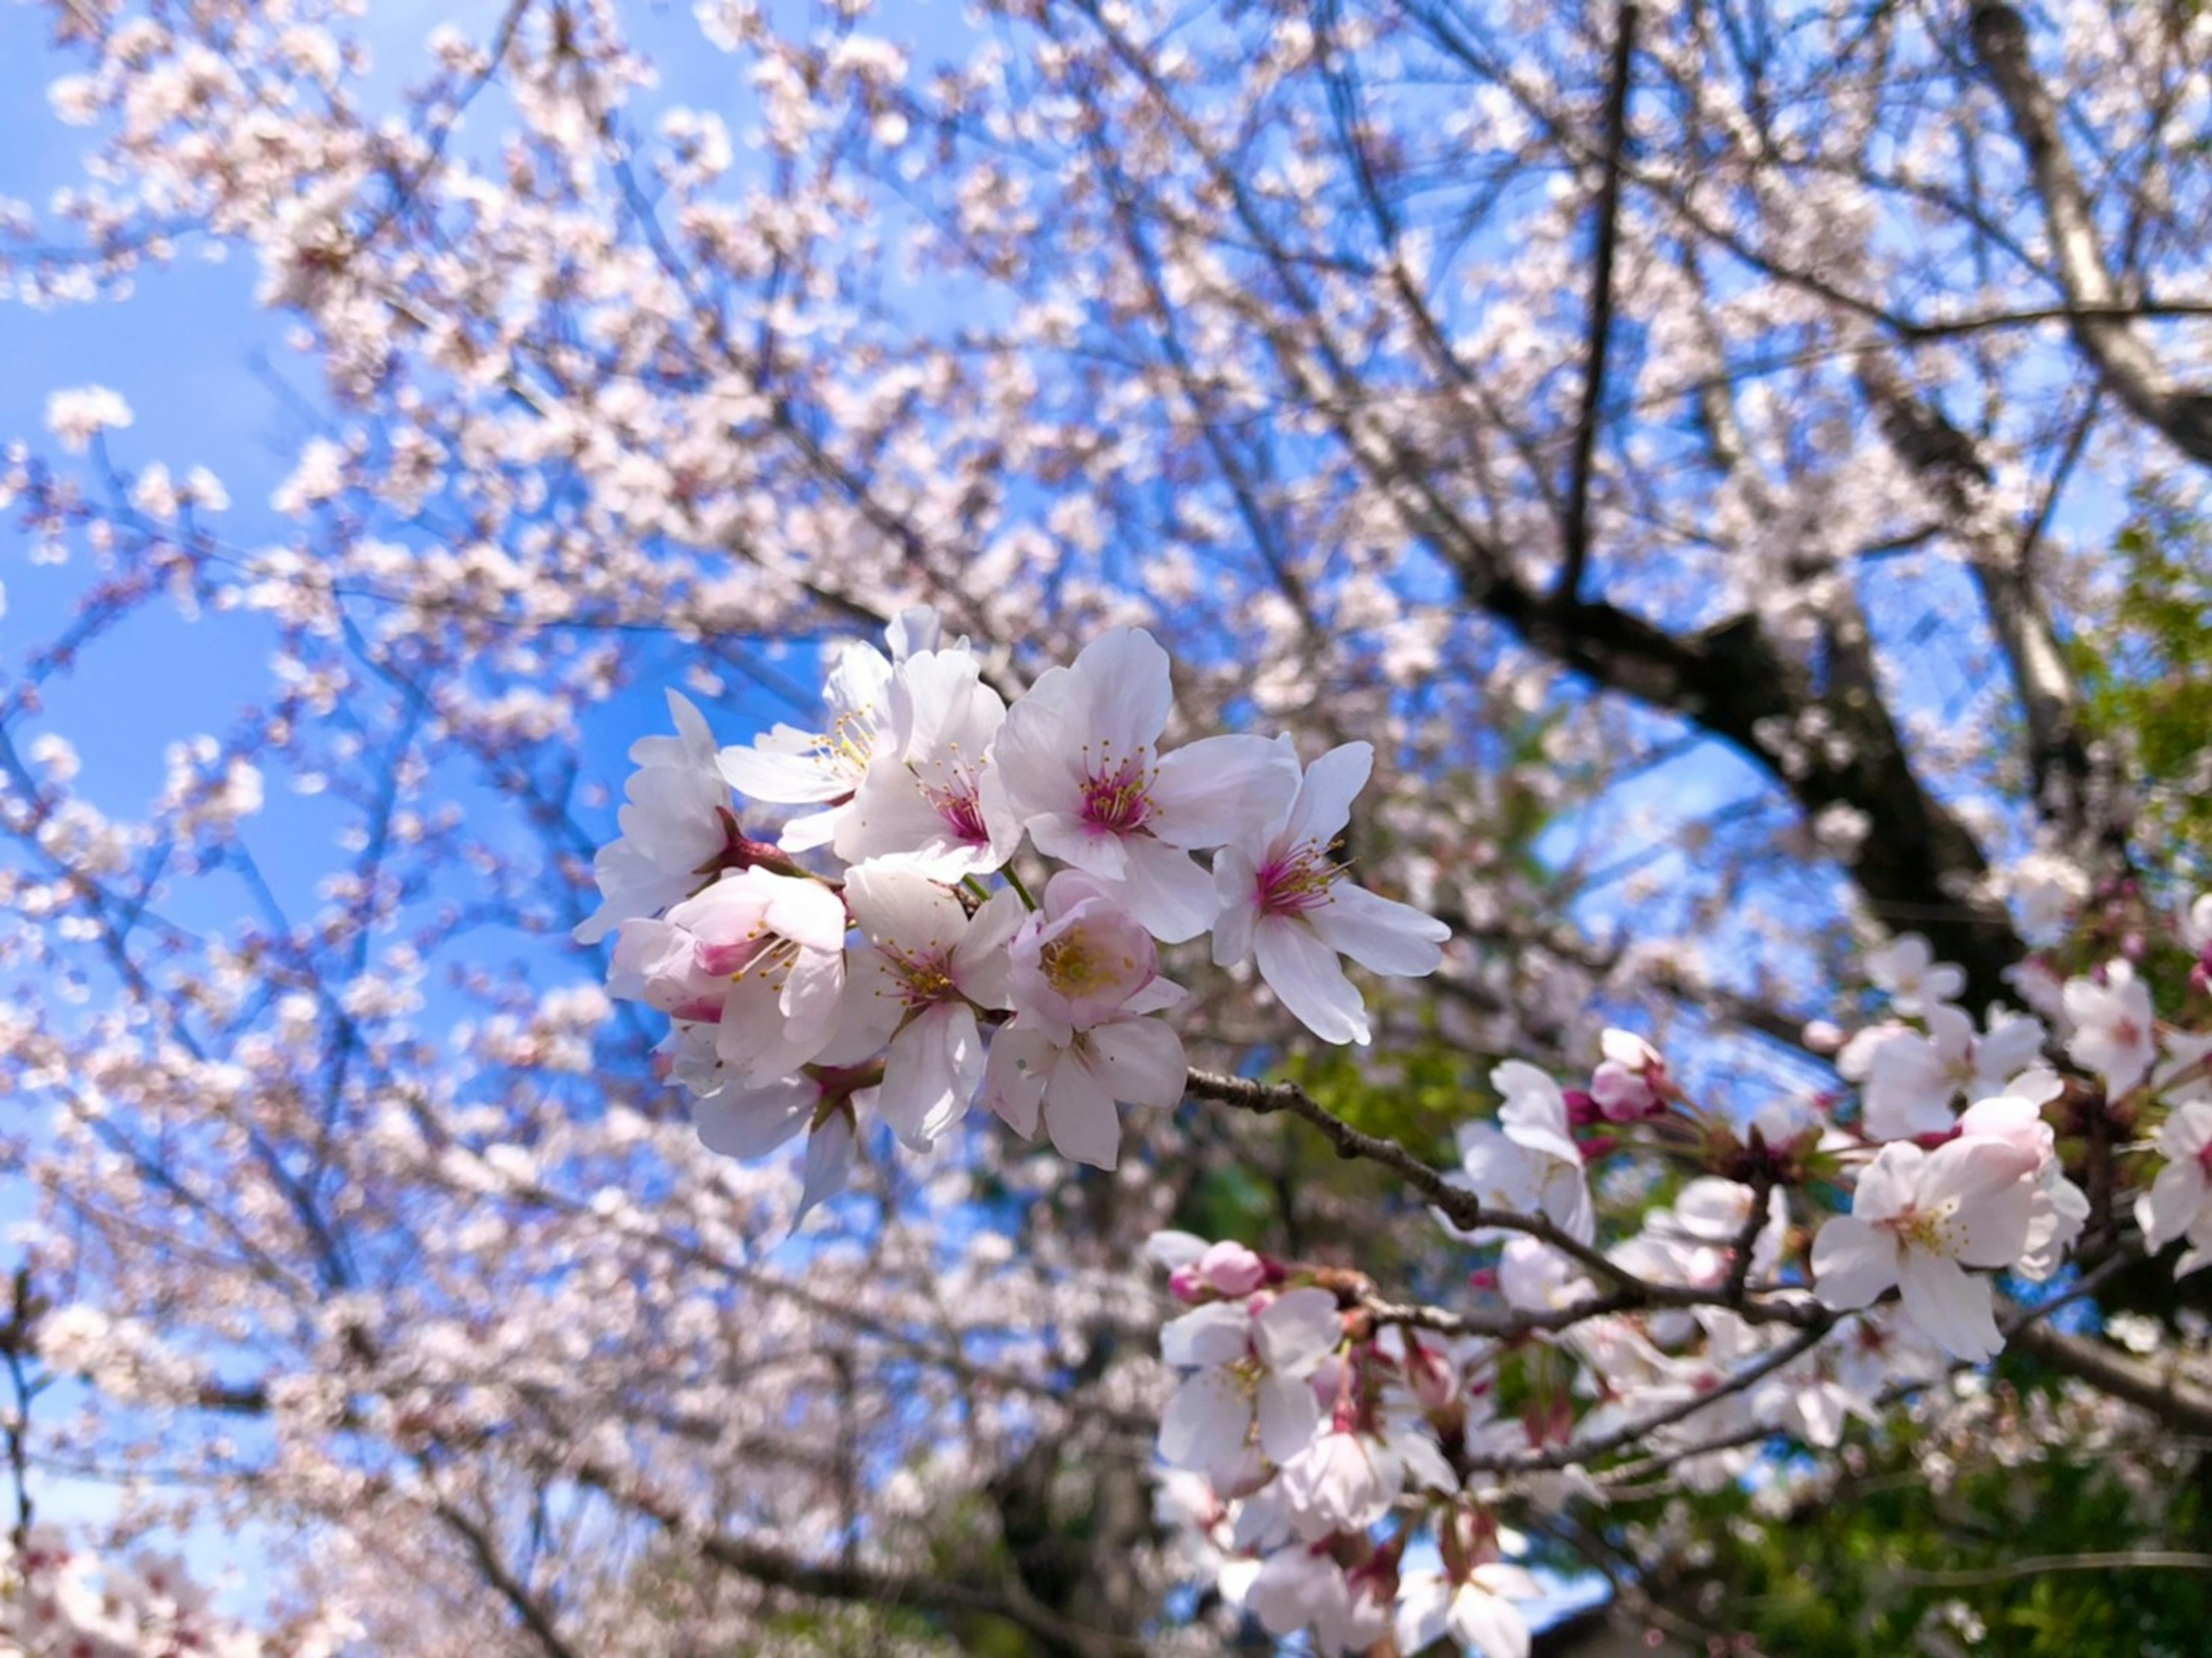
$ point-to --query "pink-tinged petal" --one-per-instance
(1205, 1422)
(1289, 1416)
(1489, 1624)
(1993, 1230)
(1222, 789)
(1167, 890)
(1216, 1333)
(902, 911)
(1015, 1075)
(1157, 996)
(829, 1163)
(2187, 1131)
(915, 629)
(1950, 1305)
(1236, 891)
(1304, 974)
(1143, 1062)
(931, 1073)
(806, 912)
(891, 819)
(782, 768)
(980, 960)
(1853, 1262)
(1331, 784)
(1067, 836)
(1127, 692)
(1079, 1114)
(1889, 1185)
(751, 1122)
(1534, 1113)
(1381, 934)
(1296, 1330)
(2171, 1206)
(1974, 1169)
(1424, 1607)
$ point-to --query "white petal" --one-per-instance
(1143, 1061)
(829, 1161)
(1236, 891)
(1950, 1305)
(1079, 1114)
(1216, 1333)
(1222, 789)
(901, 910)
(1015, 1075)
(1304, 974)
(1490, 1625)
(1853, 1262)
(750, 1122)
(1888, 1184)
(931, 1073)
(1297, 1329)
(1331, 784)
(1122, 677)
(1167, 890)
(1423, 1606)
(1380, 933)
(1205, 1421)
(1289, 1416)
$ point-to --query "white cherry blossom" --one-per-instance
(926, 969)
(1078, 758)
(790, 767)
(2114, 1032)
(676, 824)
(1907, 969)
(757, 955)
(1284, 899)
(1918, 1221)
(931, 796)
(1252, 1364)
(2179, 1204)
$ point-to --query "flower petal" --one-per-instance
(1303, 973)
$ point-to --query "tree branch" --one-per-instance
(2107, 336)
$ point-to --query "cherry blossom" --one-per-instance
(931, 796)
(1284, 899)
(675, 827)
(1918, 1220)
(757, 955)
(2179, 1201)
(790, 767)
(1078, 758)
(928, 971)
(1251, 1365)
(2114, 1032)
(1907, 969)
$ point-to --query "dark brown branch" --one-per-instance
(2123, 359)
(1600, 333)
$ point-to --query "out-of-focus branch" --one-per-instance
(2179, 1403)
(1599, 337)
(2100, 325)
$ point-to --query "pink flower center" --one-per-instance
(1298, 881)
(958, 801)
(1116, 802)
(1927, 1230)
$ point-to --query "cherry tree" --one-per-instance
(1382, 839)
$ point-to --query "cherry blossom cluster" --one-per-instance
(61, 1599)
(888, 975)
(1797, 1271)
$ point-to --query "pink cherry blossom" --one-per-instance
(1918, 1220)
(1284, 899)
(1079, 760)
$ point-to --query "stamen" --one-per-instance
(1293, 886)
(1118, 801)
